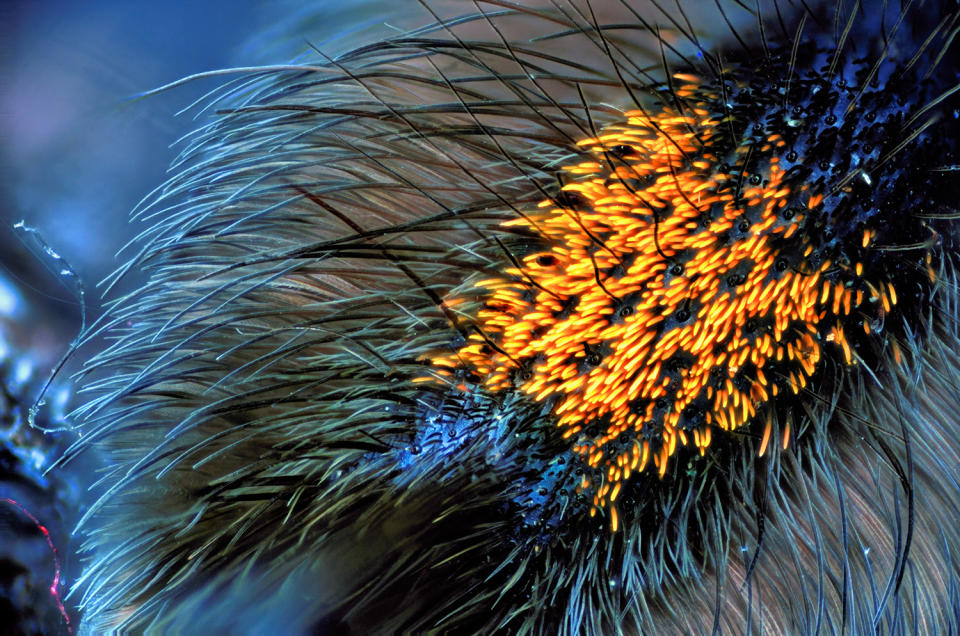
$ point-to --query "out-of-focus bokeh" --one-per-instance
(77, 152)
(78, 149)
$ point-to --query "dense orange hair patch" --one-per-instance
(676, 294)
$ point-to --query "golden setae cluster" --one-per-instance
(677, 293)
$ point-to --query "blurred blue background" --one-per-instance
(77, 151)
